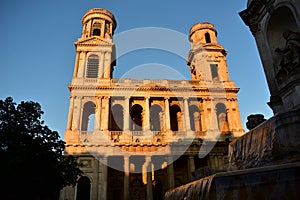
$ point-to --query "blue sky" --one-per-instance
(37, 54)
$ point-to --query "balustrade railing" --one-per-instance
(116, 133)
(137, 133)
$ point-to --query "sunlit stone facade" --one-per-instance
(137, 138)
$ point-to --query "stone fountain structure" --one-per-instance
(265, 162)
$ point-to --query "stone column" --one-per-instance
(147, 115)
(170, 172)
(80, 113)
(106, 113)
(76, 64)
(149, 178)
(70, 116)
(186, 114)
(191, 166)
(108, 64)
(126, 177)
(103, 180)
(126, 114)
(82, 63)
(101, 66)
(98, 114)
(167, 114)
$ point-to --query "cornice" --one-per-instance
(255, 12)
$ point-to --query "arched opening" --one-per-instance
(277, 26)
(283, 40)
(155, 118)
(136, 118)
(175, 118)
(222, 117)
(96, 29)
(116, 118)
(92, 66)
(83, 188)
(88, 117)
(195, 118)
(207, 38)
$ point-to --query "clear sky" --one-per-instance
(37, 54)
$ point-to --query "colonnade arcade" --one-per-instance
(150, 115)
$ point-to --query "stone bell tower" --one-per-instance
(207, 62)
(207, 58)
(95, 59)
(95, 49)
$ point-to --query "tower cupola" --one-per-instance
(202, 33)
(98, 22)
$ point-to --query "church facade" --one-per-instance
(138, 138)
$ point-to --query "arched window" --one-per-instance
(88, 117)
(207, 38)
(155, 118)
(222, 117)
(175, 118)
(136, 118)
(92, 66)
(195, 118)
(83, 188)
(96, 29)
(116, 118)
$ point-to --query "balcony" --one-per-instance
(138, 137)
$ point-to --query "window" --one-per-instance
(88, 117)
(136, 118)
(96, 32)
(214, 71)
(92, 66)
(207, 38)
(155, 117)
(96, 29)
(116, 118)
(175, 118)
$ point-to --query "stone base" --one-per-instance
(275, 141)
(271, 182)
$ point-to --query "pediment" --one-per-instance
(93, 41)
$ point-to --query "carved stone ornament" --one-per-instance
(288, 58)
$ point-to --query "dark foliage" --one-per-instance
(32, 161)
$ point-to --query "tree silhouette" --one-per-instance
(33, 165)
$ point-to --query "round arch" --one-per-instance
(156, 117)
(136, 121)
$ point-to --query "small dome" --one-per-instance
(99, 13)
(200, 26)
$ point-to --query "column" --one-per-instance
(126, 177)
(191, 166)
(82, 65)
(108, 64)
(103, 181)
(170, 172)
(101, 66)
(104, 123)
(126, 114)
(98, 114)
(76, 64)
(70, 116)
(149, 178)
(186, 114)
(167, 114)
(147, 114)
